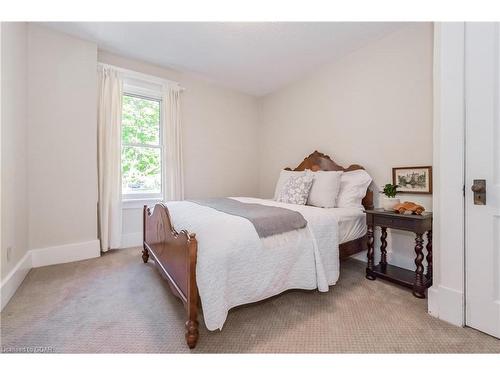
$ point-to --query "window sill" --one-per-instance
(132, 204)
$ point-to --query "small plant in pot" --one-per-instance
(390, 200)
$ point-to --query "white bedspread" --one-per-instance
(352, 223)
(236, 267)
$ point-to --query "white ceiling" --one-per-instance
(255, 58)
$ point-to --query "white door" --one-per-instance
(482, 162)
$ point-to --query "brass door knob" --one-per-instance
(479, 189)
(479, 186)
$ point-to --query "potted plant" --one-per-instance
(390, 200)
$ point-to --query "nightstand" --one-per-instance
(418, 224)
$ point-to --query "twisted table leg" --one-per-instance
(418, 286)
(383, 247)
(370, 254)
(429, 255)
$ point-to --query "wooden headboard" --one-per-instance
(321, 162)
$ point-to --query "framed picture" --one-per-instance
(414, 180)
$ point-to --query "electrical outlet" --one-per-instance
(9, 253)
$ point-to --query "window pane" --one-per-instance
(141, 170)
(140, 121)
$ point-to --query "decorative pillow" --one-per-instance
(353, 187)
(284, 176)
(296, 189)
(325, 188)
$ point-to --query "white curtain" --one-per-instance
(109, 118)
(173, 171)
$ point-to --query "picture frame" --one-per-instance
(413, 180)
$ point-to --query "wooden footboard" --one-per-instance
(174, 254)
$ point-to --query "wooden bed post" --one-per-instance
(192, 332)
(145, 252)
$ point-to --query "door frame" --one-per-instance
(447, 295)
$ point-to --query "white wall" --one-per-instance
(220, 140)
(14, 134)
(62, 139)
(373, 107)
(49, 178)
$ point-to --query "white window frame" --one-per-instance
(144, 90)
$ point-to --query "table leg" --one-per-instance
(429, 255)
(383, 247)
(418, 286)
(370, 254)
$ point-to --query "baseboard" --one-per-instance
(446, 304)
(14, 279)
(131, 240)
(46, 257)
(65, 253)
(433, 301)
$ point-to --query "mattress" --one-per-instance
(352, 223)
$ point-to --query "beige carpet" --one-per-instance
(118, 304)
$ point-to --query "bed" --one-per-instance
(218, 261)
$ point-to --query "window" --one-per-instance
(141, 147)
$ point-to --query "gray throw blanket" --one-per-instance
(267, 220)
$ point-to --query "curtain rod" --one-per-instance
(142, 76)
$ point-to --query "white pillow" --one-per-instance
(353, 187)
(325, 188)
(284, 176)
(296, 189)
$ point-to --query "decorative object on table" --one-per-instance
(415, 180)
(418, 280)
(409, 208)
(390, 200)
